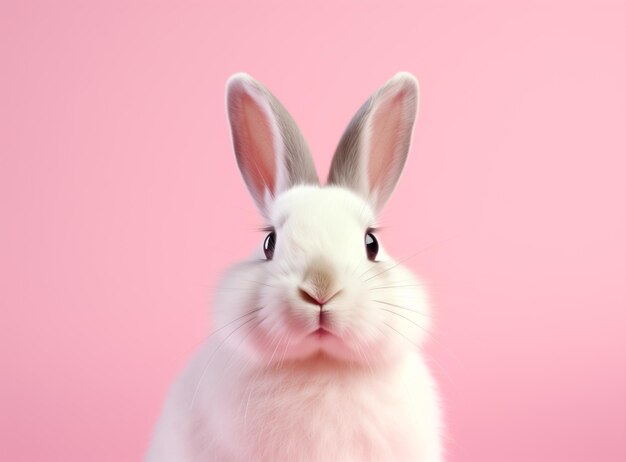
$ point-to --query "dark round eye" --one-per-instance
(371, 245)
(269, 244)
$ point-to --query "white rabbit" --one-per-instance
(316, 353)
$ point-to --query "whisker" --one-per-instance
(381, 331)
(428, 334)
(429, 357)
(391, 267)
(400, 333)
(364, 354)
(280, 339)
(395, 287)
(428, 247)
(251, 386)
(358, 265)
(231, 361)
(404, 317)
(208, 363)
(431, 337)
(260, 283)
(245, 414)
(402, 307)
(234, 320)
(282, 358)
(405, 281)
(241, 289)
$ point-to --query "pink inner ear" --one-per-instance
(386, 131)
(258, 153)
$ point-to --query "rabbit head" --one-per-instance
(320, 282)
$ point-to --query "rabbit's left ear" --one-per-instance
(271, 152)
(374, 148)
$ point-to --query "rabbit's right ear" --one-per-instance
(271, 152)
(374, 148)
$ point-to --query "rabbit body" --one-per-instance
(316, 355)
(321, 411)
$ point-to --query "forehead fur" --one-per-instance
(330, 204)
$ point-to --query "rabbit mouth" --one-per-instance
(323, 327)
(321, 332)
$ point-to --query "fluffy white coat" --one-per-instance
(316, 353)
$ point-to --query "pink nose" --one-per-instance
(314, 298)
(310, 298)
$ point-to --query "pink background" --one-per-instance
(121, 203)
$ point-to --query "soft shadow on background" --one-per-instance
(121, 204)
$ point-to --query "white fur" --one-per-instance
(266, 388)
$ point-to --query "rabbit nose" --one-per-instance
(319, 284)
(309, 298)
(314, 298)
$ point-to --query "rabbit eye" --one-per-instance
(371, 245)
(269, 244)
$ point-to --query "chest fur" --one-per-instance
(324, 415)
